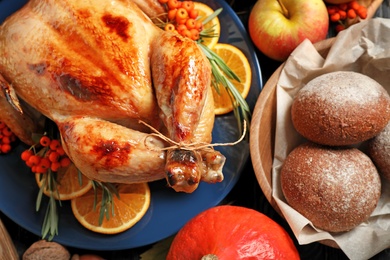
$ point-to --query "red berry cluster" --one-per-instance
(340, 12)
(7, 137)
(182, 18)
(51, 156)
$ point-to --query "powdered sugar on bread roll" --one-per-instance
(341, 108)
(379, 151)
(336, 189)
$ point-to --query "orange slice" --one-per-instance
(236, 60)
(69, 185)
(213, 27)
(129, 208)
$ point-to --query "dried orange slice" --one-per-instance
(129, 208)
(213, 27)
(69, 185)
(236, 60)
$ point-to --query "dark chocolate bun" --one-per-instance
(335, 188)
(379, 151)
(340, 108)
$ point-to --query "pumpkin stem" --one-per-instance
(209, 257)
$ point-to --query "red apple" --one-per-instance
(277, 27)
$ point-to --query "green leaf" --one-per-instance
(159, 250)
(108, 189)
(39, 198)
(212, 16)
(36, 137)
(80, 177)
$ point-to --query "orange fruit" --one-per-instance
(129, 208)
(68, 183)
(236, 60)
(232, 232)
(212, 28)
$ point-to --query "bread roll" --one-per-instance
(379, 151)
(43, 249)
(340, 108)
(335, 188)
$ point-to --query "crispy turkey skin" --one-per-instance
(98, 68)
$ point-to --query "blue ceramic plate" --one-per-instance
(169, 210)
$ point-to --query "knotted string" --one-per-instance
(186, 146)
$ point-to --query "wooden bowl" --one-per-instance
(262, 132)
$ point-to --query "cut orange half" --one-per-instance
(129, 208)
(70, 184)
(236, 60)
(212, 29)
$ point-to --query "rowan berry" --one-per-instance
(193, 13)
(45, 141)
(6, 140)
(187, 33)
(55, 144)
(181, 28)
(55, 166)
(194, 34)
(188, 5)
(172, 14)
(199, 25)
(343, 15)
(34, 159)
(65, 162)
(60, 150)
(362, 12)
(6, 148)
(351, 14)
(190, 23)
(335, 17)
(43, 165)
(181, 21)
(181, 14)
(25, 155)
(34, 169)
(6, 131)
(173, 4)
(169, 27)
(354, 5)
(54, 156)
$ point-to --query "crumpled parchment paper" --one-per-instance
(364, 48)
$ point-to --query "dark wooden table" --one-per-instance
(246, 192)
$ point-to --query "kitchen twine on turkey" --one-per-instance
(185, 146)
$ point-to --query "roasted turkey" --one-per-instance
(132, 102)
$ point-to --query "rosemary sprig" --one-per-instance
(107, 204)
(222, 75)
(209, 32)
(50, 222)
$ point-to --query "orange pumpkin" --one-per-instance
(232, 232)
